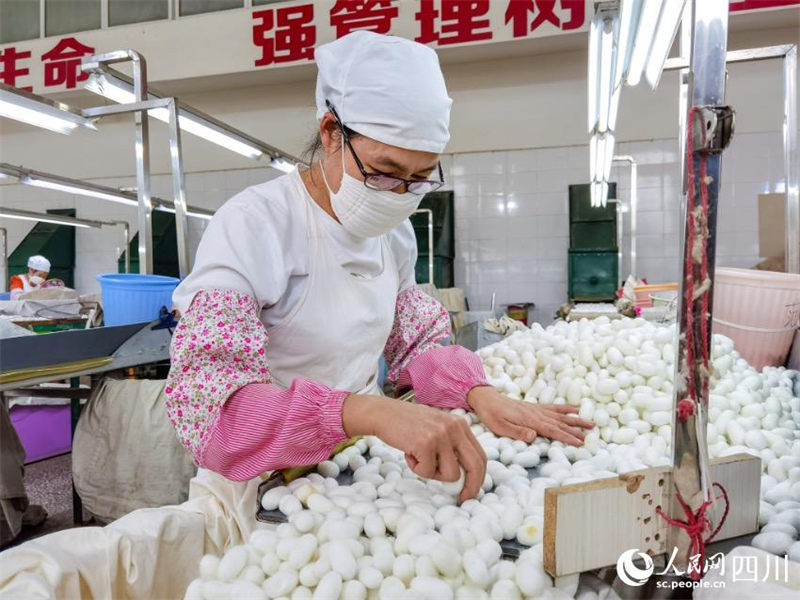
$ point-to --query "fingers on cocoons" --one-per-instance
(271, 498)
(209, 566)
(431, 587)
(232, 563)
(454, 488)
(329, 587)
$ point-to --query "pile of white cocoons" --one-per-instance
(392, 535)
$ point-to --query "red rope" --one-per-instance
(696, 525)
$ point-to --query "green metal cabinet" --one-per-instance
(593, 259)
(443, 206)
(592, 275)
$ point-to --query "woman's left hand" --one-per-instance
(525, 421)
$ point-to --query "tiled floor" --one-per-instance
(49, 484)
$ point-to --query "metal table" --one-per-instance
(30, 360)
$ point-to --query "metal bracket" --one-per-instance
(712, 129)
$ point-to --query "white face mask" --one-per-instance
(36, 280)
(368, 213)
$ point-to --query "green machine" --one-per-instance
(437, 211)
(593, 258)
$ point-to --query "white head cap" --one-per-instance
(386, 88)
(39, 263)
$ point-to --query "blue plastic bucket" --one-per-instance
(134, 298)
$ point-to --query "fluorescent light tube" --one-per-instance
(665, 33)
(282, 164)
(645, 31)
(24, 215)
(606, 74)
(628, 18)
(33, 117)
(613, 108)
(592, 155)
(75, 189)
(608, 156)
(35, 110)
(189, 213)
(122, 93)
(595, 36)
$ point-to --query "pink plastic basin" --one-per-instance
(759, 311)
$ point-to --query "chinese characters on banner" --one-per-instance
(289, 34)
(62, 65)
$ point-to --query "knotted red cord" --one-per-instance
(696, 525)
(685, 409)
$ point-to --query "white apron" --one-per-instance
(337, 331)
(335, 335)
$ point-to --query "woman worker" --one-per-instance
(35, 278)
(301, 283)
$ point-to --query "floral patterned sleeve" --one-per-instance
(440, 376)
(221, 402)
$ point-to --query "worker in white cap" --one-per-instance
(301, 284)
(35, 278)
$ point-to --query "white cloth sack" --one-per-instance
(150, 553)
(125, 454)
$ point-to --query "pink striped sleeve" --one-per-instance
(443, 376)
(263, 427)
(222, 404)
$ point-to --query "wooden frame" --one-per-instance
(589, 525)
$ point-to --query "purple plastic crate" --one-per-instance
(44, 430)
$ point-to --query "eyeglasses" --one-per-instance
(382, 181)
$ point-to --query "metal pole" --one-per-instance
(4, 262)
(634, 213)
(178, 189)
(634, 205)
(143, 165)
(790, 161)
(690, 450)
(430, 241)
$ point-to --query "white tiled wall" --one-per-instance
(511, 214)
(512, 223)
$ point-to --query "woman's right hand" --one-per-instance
(435, 443)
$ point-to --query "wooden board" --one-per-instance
(589, 525)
